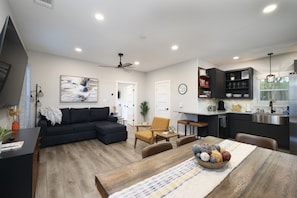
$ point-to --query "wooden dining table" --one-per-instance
(263, 173)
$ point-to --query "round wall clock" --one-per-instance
(182, 88)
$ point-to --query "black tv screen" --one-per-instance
(13, 63)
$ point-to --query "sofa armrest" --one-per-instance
(112, 118)
(43, 124)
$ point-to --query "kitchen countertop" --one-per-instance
(213, 113)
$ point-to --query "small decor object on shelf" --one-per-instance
(245, 74)
(202, 72)
(14, 112)
(232, 76)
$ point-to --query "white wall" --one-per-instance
(46, 70)
(185, 72)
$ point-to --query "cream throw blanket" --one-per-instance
(52, 114)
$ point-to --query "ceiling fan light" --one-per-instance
(99, 17)
(270, 78)
(269, 8)
(174, 47)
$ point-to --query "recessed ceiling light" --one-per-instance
(269, 8)
(235, 57)
(99, 17)
(78, 49)
(136, 63)
(174, 47)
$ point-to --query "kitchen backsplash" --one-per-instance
(246, 106)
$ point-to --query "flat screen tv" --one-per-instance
(13, 63)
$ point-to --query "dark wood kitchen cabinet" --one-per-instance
(211, 83)
(239, 123)
(19, 168)
(241, 87)
(278, 132)
(217, 83)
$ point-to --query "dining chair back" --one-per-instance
(260, 141)
(159, 125)
(155, 149)
(185, 140)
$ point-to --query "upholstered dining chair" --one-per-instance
(260, 141)
(159, 125)
(156, 148)
(185, 140)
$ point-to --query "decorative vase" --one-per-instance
(15, 125)
(232, 78)
(0, 146)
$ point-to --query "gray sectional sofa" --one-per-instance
(82, 124)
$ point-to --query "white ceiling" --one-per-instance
(144, 30)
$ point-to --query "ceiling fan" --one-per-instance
(120, 65)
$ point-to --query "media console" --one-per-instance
(19, 168)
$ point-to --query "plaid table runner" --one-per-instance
(187, 179)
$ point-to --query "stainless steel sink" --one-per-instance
(267, 118)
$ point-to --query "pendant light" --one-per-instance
(270, 78)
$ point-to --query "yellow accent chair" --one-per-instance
(159, 125)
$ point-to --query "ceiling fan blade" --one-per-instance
(107, 66)
(127, 64)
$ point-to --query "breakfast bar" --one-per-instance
(217, 121)
(262, 172)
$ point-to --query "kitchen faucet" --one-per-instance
(271, 106)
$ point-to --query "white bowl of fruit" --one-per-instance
(211, 156)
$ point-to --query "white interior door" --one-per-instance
(162, 100)
(130, 99)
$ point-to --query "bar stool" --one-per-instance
(185, 122)
(198, 125)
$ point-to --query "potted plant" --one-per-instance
(232, 76)
(144, 110)
(4, 133)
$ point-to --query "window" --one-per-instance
(278, 91)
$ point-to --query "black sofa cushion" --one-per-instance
(99, 114)
(79, 115)
(65, 116)
(107, 128)
(110, 132)
(59, 130)
(80, 127)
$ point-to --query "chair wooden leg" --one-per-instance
(135, 142)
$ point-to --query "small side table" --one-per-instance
(166, 135)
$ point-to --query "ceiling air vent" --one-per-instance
(45, 3)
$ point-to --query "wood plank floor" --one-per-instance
(69, 170)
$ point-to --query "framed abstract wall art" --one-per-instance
(78, 89)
